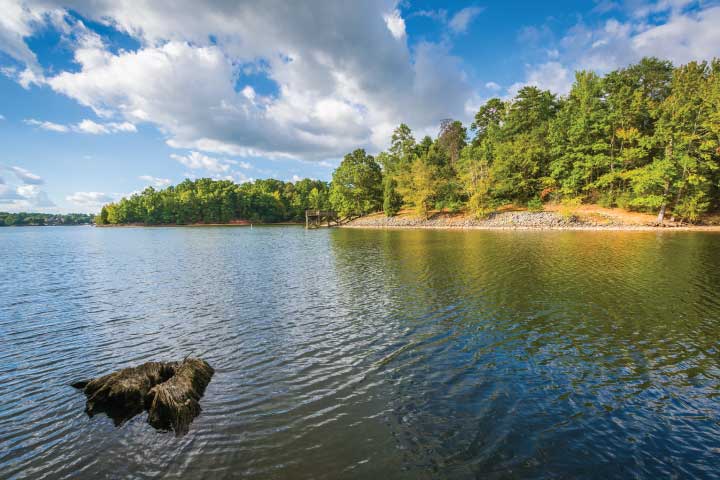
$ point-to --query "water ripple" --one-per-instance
(353, 354)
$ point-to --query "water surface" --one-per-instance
(367, 353)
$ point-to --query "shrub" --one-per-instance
(623, 201)
(606, 200)
(535, 205)
(568, 206)
(479, 207)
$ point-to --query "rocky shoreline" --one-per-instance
(515, 220)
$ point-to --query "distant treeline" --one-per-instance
(645, 138)
(218, 201)
(28, 219)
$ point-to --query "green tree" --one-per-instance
(356, 186)
(422, 186)
(392, 201)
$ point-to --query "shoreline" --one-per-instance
(194, 225)
(595, 220)
(567, 228)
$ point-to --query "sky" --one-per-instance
(102, 98)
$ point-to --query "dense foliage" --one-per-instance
(26, 219)
(646, 137)
(218, 201)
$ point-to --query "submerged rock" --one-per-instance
(169, 391)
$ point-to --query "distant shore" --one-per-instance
(589, 219)
(231, 224)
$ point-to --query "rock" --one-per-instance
(170, 391)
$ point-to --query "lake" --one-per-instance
(343, 353)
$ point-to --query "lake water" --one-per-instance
(366, 353)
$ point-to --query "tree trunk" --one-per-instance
(661, 213)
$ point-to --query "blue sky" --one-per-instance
(99, 99)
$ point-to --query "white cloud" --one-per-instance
(196, 161)
(88, 126)
(24, 197)
(85, 126)
(685, 36)
(492, 86)
(395, 24)
(8, 194)
(90, 199)
(17, 23)
(24, 193)
(344, 76)
(439, 15)
(551, 76)
(25, 176)
(682, 38)
(156, 181)
(51, 126)
(460, 21)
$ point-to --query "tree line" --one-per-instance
(40, 219)
(645, 138)
(218, 201)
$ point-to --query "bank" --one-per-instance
(585, 217)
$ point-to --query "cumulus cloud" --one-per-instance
(331, 95)
(460, 21)
(24, 197)
(24, 191)
(85, 126)
(33, 195)
(17, 23)
(196, 161)
(156, 181)
(685, 35)
(341, 77)
(551, 76)
(8, 194)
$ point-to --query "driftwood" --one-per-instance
(175, 403)
(169, 391)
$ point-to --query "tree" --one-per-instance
(474, 175)
(488, 119)
(402, 144)
(452, 139)
(578, 134)
(392, 201)
(690, 166)
(521, 151)
(421, 187)
(356, 186)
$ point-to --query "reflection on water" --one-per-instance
(359, 353)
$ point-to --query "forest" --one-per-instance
(218, 201)
(42, 219)
(644, 138)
